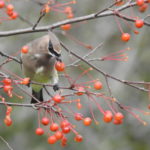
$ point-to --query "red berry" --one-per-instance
(87, 121)
(14, 15)
(60, 66)
(52, 139)
(79, 105)
(78, 138)
(139, 2)
(7, 81)
(78, 116)
(54, 127)
(139, 23)
(10, 7)
(7, 88)
(80, 91)
(143, 8)
(9, 13)
(108, 116)
(118, 122)
(45, 121)
(118, 116)
(59, 135)
(68, 10)
(66, 27)
(39, 131)
(8, 121)
(64, 123)
(2, 4)
(9, 110)
(98, 85)
(25, 49)
(66, 129)
(125, 37)
(57, 98)
(64, 141)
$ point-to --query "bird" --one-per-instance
(38, 63)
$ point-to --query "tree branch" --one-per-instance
(74, 20)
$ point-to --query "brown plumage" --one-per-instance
(38, 63)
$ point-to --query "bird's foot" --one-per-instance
(56, 87)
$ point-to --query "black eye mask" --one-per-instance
(51, 49)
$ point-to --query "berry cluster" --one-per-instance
(59, 131)
(8, 9)
(8, 85)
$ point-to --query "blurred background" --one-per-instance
(131, 135)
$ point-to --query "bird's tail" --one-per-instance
(38, 95)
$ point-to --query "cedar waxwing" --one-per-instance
(39, 63)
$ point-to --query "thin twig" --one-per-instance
(71, 21)
(101, 71)
(6, 143)
(10, 57)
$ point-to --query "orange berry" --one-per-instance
(54, 127)
(139, 2)
(7, 81)
(45, 121)
(25, 81)
(80, 91)
(66, 27)
(52, 139)
(7, 88)
(143, 8)
(10, 7)
(25, 49)
(78, 138)
(118, 122)
(59, 135)
(14, 15)
(9, 13)
(57, 98)
(108, 116)
(87, 121)
(79, 105)
(8, 121)
(60, 66)
(118, 116)
(70, 16)
(98, 85)
(139, 23)
(125, 37)
(78, 116)
(39, 131)
(2, 4)
(68, 10)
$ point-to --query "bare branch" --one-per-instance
(71, 21)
